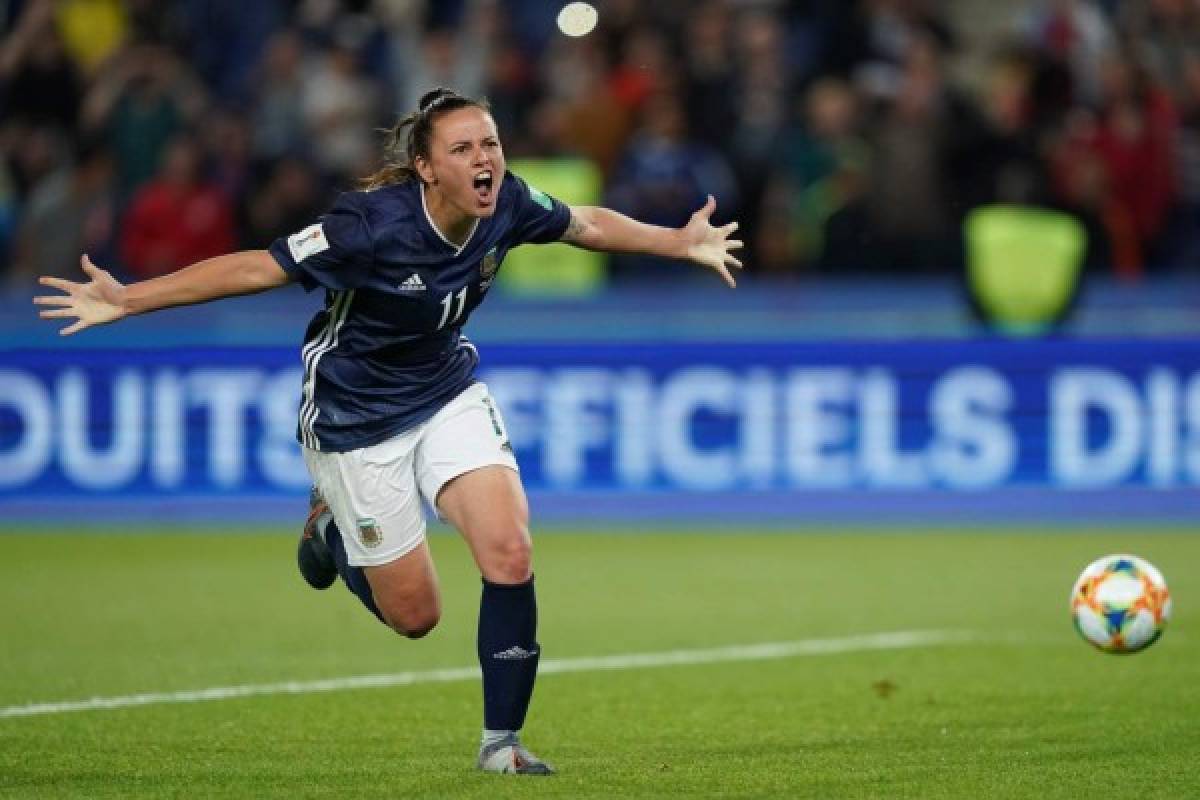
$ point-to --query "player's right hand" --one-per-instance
(99, 301)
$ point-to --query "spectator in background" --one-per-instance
(709, 79)
(763, 89)
(395, 17)
(226, 138)
(911, 133)
(443, 56)
(664, 175)
(40, 83)
(1118, 164)
(813, 212)
(142, 101)
(511, 90)
(1184, 241)
(762, 99)
(646, 68)
(331, 70)
(1081, 186)
(287, 200)
(1135, 141)
(277, 113)
(616, 23)
(158, 22)
(581, 115)
(341, 108)
(32, 152)
(995, 156)
(227, 146)
(177, 218)
(224, 40)
(39, 102)
(71, 211)
(1163, 33)
(1075, 32)
(881, 37)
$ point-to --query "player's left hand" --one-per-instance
(711, 246)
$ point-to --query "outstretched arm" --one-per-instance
(104, 299)
(595, 228)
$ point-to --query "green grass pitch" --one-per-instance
(1024, 710)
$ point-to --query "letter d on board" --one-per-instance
(1076, 460)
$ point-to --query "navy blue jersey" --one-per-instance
(387, 351)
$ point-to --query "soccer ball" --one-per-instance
(1120, 604)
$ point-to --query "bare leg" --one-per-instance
(488, 507)
(406, 592)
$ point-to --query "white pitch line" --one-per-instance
(898, 640)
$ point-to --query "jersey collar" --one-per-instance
(456, 248)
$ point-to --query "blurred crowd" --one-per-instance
(845, 135)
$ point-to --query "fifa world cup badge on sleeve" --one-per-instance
(369, 533)
(308, 242)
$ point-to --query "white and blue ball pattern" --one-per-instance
(1120, 604)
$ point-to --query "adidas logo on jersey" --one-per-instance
(412, 283)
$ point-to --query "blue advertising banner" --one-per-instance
(763, 428)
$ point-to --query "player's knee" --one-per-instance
(420, 626)
(412, 622)
(512, 559)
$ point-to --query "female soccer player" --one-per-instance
(391, 412)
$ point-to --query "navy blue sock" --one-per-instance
(355, 578)
(508, 652)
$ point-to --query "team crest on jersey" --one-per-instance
(369, 533)
(487, 269)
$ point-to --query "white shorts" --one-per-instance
(375, 493)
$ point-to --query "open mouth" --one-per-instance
(483, 186)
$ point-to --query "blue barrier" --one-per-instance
(955, 429)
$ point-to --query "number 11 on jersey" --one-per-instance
(448, 301)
